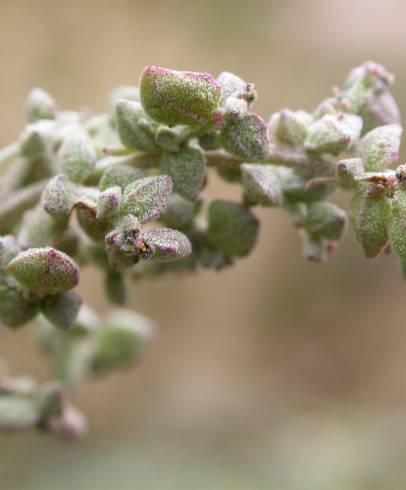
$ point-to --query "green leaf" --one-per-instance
(165, 245)
(246, 137)
(136, 130)
(187, 169)
(40, 105)
(146, 198)
(233, 229)
(348, 170)
(262, 184)
(370, 215)
(44, 271)
(121, 176)
(380, 147)
(76, 157)
(174, 97)
(290, 128)
(17, 413)
(325, 220)
(61, 309)
(397, 226)
(333, 133)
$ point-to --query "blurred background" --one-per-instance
(276, 374)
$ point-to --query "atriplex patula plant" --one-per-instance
(122, 192)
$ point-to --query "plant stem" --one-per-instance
(296, 159)
(9, 152)
(12, 205)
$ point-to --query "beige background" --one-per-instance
(277, 374)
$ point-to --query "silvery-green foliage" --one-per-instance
(125, 192)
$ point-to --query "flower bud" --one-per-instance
(380, 147)
(367, 94)
(76, 156)
(121, 176)
(348, 170)
(17, 412)
(233, 85)
(108, 203)
(120, 341)
(333, 133)
(115, 287)
(135, 128)
(235, 107)
(44, 271)
(179, 213)
(40, 105)
(186, 168)
(246, 137)
(325, 220)
(61, 309)
(289, 128)
(370, 215)
(174, 97)
(262, 184)
(146, 198)
(233, 229)
(164, 245)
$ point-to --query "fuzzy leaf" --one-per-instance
(333, 133)
(397, 226)
(290, 128)
(115, 287)
(370, 216)
(230, 84)
(348, 170)
(127, 92)
(135, 128)
(44, 271)
(179, 212)
(146, 198)
(17, 412)
(40, 105)
(120, 175)
(108, 203)
(233, 229)
(165, 245)
(41, 229)
(187, 169)
(59, 196)
(325, 220)
(76, 156)
(174, 97)
(61, 309)
(380, 147)
(262, 184)
(15, 309)
(246, 137)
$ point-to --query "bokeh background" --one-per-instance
(276, 374)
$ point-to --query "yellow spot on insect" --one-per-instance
(143, 248)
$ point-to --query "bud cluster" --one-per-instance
(124, 192)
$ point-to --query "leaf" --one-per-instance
(262, 184)
(62, 309)
(370, 216)
(233, 229)
(380, 147)
(166, 245)
(246, 137)
(179, 97)
(44, 271)
(135, 128)
(76, 157)
(333, 133)
(187, 169)
(146, 198)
